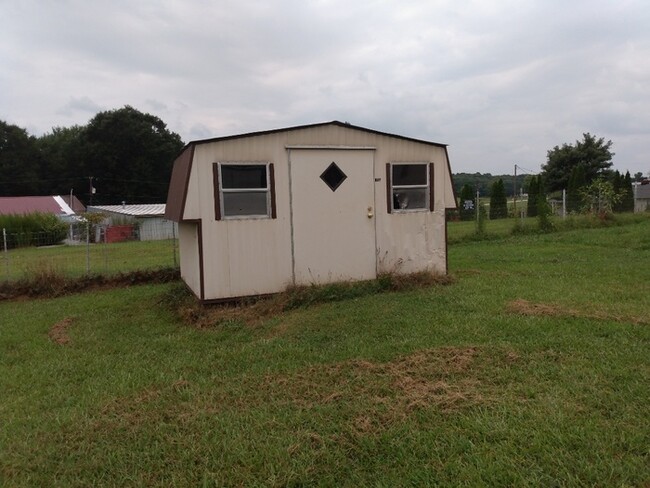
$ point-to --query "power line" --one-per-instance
(527, 171)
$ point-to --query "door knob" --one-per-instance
(370, 214)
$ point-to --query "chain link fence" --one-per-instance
(89, 250)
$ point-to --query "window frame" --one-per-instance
(428, 187)
(220, 191)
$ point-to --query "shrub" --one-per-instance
(35, 229)
(544, 215)
(498, 201)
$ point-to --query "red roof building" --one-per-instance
(53, 204)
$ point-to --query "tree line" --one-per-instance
(127, 155)
(583, 169)
(120, 155)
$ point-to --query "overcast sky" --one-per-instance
(501, 82)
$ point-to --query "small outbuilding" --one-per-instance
(642, 196)
(312, 204)
(147, 221)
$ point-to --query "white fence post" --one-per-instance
(87, 248)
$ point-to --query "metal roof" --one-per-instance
(52, 204)
(143, 210)
(309, 126)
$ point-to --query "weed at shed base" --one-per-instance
(253, 310)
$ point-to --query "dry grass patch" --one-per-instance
(369, 396)
(58, 333)
(524, 307)
(387, 392)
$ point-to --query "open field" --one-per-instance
(124, 257)
(462, 230)
(531, 369)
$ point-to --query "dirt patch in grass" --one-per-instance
(58, 333)
(524, 307)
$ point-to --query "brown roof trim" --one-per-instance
(310, 126)
(199, 223)
(451, 179)
(178, 185)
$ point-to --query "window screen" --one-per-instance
(243, 190)
(243, 176)
(409, 186)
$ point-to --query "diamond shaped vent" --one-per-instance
(333, 176)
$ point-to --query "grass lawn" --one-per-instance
(531, 369)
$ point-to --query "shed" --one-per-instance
(311, 204)
(149, 219)
(642, 196)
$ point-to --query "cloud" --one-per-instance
(81, 104)
(500, 81)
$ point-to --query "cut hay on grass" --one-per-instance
(370, 396)
(524, 307)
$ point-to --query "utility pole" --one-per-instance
(514, 194)
(91, 189)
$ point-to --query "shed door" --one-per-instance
(333, 223)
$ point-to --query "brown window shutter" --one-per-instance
(431, 187)
(389, 193)
(274, 213)
(217, 199)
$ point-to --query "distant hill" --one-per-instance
(484, 181)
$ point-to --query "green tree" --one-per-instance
(533, 191)
(498, 201)
(467, 204)
(62, 164)
(617, 180)
(19, 162)
(544, 214)
(576, 183)
(482, 182)
(627, 194)
(129, 154)
(594, 154)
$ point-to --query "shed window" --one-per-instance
(244, 190)
(411, 187)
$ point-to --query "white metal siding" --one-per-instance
(188, 236)
(244, 257)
